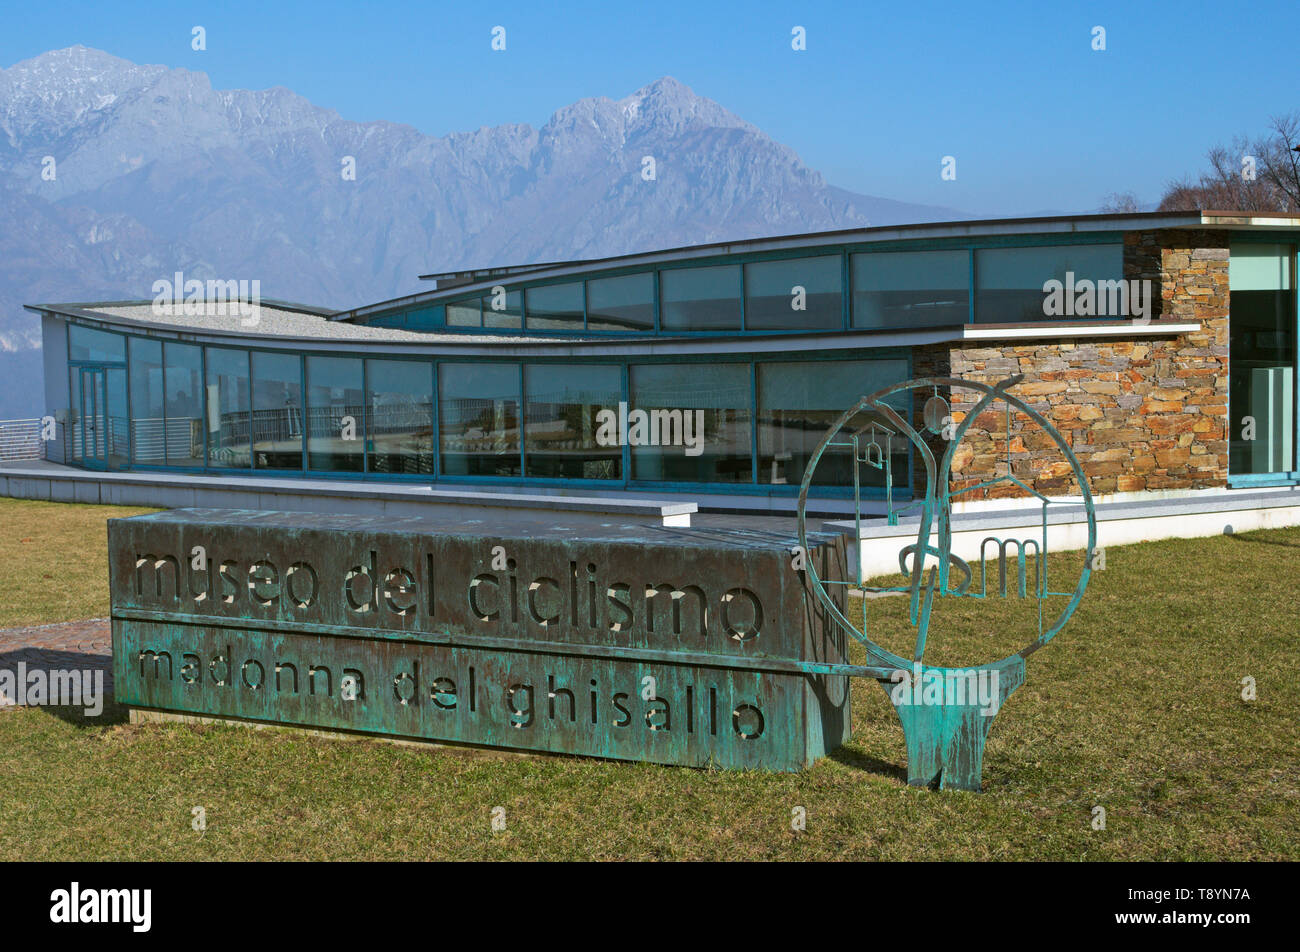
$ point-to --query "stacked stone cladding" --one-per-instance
(1141, 411)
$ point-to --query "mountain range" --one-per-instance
(113, 175)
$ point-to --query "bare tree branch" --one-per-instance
(1120, 203)
(1263, 176)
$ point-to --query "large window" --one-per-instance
(277, 411)
(1009, 281)
(504, 310)
(555, 307)
(562, 421)
(907, 289)
(147, 437)
(794, 294)
(464, 314)
(335, 415)
(694, 423)
(86, 343)
(798, 402)
(677, 423)
(700, 299)
(1262, 358)
(890, 290)
(626, 303)
(425, 318)
(478, 414)
(183, 399)
(400, 427)
(228, 417)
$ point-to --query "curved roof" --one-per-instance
(284, 324)
(454, 284)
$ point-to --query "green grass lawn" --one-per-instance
(54, 561)
(1136, 708)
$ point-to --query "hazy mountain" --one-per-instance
(155, 171)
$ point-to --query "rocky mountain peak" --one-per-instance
(159, 172)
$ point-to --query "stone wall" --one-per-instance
(1141, 412)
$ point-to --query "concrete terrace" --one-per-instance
(40, 479)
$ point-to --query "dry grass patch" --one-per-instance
(53, 561)
(1137, 708)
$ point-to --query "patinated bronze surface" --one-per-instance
(946, 712)
(681, 646)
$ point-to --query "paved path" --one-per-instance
(73, 645)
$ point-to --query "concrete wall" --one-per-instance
(54, 354)
(1222, 512)
(175, 491)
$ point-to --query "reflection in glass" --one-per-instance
(772, 301)
(147, 425)
(905, 289)
(626, 303)
(561, 423)
(399, 431)
(798, 402)
(424, 318)
(277, 411)
(76, 427)
(87, 343)
(93, 430)
(721, 394)
(700, 299)
(478, 414)
(117, 425)
(464, 314)
(1009, 281)
(335, 415)
(555, 307)
(184, 402)
(1262, 357)
(505, 311)
(228, 418)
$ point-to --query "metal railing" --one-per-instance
(20, 439)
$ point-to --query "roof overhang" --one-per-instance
(1246, 220)
(468, 345)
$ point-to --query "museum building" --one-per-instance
(1162, 345)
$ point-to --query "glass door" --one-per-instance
(94, 423)
(1262, 362)
(117, 427)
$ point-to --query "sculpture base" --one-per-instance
(946, 715)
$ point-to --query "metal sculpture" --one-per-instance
(944, 726)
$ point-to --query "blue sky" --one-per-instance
(1036, 119)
